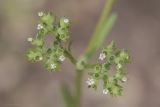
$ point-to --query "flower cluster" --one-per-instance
(53, 56)
(113, 57)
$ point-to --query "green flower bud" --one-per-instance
(110, 48)
(33, 55)
(96, 75)
(63, 34)
(64, 23)
(47, 19)
(98, 67)
(37, 42)
(118, 76)
(106, 66)
(105, 78)
(64, 37)
(49, 50)
(115, 90)
(124, 56)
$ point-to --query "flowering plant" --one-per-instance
(52, 57)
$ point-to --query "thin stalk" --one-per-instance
(70, 56)
(78, 84)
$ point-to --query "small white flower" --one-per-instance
(90, 81)
(119, 66)
(40, 14)
(102, 56)
(29, 39)
(62, 58)
(105, 91)
(40, 58)
(66, 20)
(124, 79)
(39, 26)
(53, 66)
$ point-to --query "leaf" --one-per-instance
(67, 96)
(98, 39)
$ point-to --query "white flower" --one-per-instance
(62, 58)
(119, 66)
(40, 14)
(53, 66)
(90, 81)
(39, 26)
(124, 79)
(66, 20)
(40, 58)
(29, 39)
(105, 91)
(102, 56)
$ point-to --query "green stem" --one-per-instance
(79, 76)
(90, 66)
(70, 56)
(78, 84)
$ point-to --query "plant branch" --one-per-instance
(98, 37)
(70, 56)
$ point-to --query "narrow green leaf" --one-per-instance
(98, 39)
(67, 96)
(104, 15)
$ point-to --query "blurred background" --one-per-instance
(23, 84)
